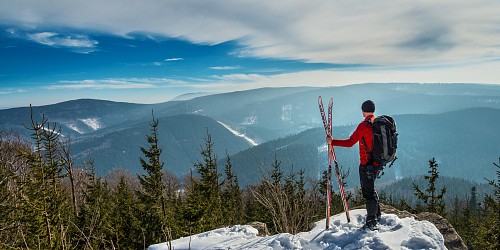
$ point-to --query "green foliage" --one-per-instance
(124, 218)
(152, 198)
(204, 210)
(492, 227)
(231, 196)
(43, 209)
(434, 202)
(94, 218)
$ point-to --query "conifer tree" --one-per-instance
(491, 227)
(473, 199)
(152, 196)
(43, 209)
(203, 209)
(434, 202)
(123, 218)
(232, 202)
(94, 219)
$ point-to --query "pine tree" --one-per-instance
(434, 202)
(152, 196)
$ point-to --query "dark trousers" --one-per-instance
(367, 176)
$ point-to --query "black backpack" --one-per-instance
(385, 140)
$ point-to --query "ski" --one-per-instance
(329, 169)
(331, 154)
(341, 186)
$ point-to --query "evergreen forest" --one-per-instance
(48, 200)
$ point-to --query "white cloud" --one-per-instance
(54, 39)
(173, 59)
(382, 32)
(226, 67)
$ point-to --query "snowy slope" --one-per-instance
(393, 233)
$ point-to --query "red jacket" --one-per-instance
(363, 130)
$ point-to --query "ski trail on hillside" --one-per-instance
(252, 142)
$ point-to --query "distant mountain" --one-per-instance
(263, 114)
(180, 138)
(190, 96)
(460, 141)
(76, 117)
(434, 120)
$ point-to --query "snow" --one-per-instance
(252, 142)
(286, 116)
(73, 127)
(92, 122)
(393, 233)
(251, 120)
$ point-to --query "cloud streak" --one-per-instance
(119, 83)
(226, 67)
(173, 59)
(53, 39)
(333, 31)
(10, 91)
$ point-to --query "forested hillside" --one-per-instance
(459, 140)
(179, 136)
(456, 187)
(49, 199)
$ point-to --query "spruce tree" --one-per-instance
(434, 202)
(204, 196)
(44, 208)
(152, 196)
(491, 227)
(123, 218)
(232, 203)
(94, 219)
(473, 199)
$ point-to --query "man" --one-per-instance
(367, 168)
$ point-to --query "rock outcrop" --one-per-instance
(261, 227)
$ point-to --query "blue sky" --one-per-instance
(150, 52)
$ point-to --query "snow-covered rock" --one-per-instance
(393, 233)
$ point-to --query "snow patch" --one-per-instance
(252, 142)
(393, 233)
(92, 122)
(73, 127)
(250, 120)
(286, 115)
(489, 100)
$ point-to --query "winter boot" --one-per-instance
(370, 224)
